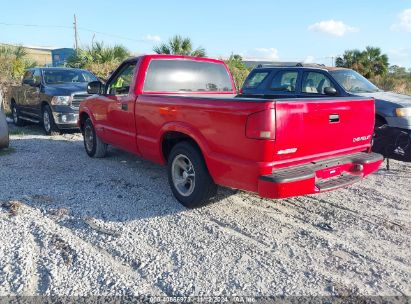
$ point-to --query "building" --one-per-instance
(46, 56)
(39, 54)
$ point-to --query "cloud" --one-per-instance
(400, 56)
(153, 38)
(269, 54)
(404, 21)
(332, 27)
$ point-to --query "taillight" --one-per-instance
(261, 125)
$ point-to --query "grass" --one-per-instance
(16, 131)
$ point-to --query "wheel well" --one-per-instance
(170, 139)
(379, 118)
(83, 118)
(43, 104)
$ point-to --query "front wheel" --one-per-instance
(94, 146)
(188, 176)
(48, 123)
(16, 118)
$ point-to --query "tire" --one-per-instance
(5, 143)
(94, 146)
(15, 112)
(47, 121)
(188, 176)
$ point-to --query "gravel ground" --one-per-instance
(71, 225)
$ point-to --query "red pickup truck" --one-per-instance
(183, 112)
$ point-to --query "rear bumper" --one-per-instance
(316, 177)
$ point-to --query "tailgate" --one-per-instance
(308, 129)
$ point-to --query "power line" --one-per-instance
(35, 25)
(79, 28)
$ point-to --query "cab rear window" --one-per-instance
(255, 80)
(164, 75)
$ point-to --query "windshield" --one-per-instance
(353, 82)
(67, 76)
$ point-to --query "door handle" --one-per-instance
(334, 118)
(124, 106)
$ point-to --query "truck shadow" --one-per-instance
(33, 129)
(57, 177)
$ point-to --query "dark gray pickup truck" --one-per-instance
(51, 97)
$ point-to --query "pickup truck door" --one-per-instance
(119, 127)
(30, 93)
(24, 89)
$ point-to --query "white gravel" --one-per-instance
(71, 225)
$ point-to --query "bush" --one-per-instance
(393, 84)
(13, 63)
(238, 69)
(99, 59)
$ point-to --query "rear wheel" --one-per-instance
(16, 115)
(94, 146)
(48, 124)
(188, 176)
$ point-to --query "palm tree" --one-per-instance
(352, 59)
(238, 69)
(14, 61)
(17, 52)
(178, 45)
(97, 53)
(369, 62)
(374, 62)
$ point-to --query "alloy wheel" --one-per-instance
(183, 175)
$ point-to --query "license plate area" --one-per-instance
(329, 172)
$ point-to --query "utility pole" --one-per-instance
(75, 33)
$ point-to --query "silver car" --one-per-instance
(4, 131)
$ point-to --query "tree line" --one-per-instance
(374, 65)
(102, 60)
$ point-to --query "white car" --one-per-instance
(4, 131)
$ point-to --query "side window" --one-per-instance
(28, 77)
(284, 81)
(120, 84)
(255, 80)
(37, 76)
(315, 83)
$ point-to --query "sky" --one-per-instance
(310, 31)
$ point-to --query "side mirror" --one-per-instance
(330, 91)
(29, 82)
(95, 87)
